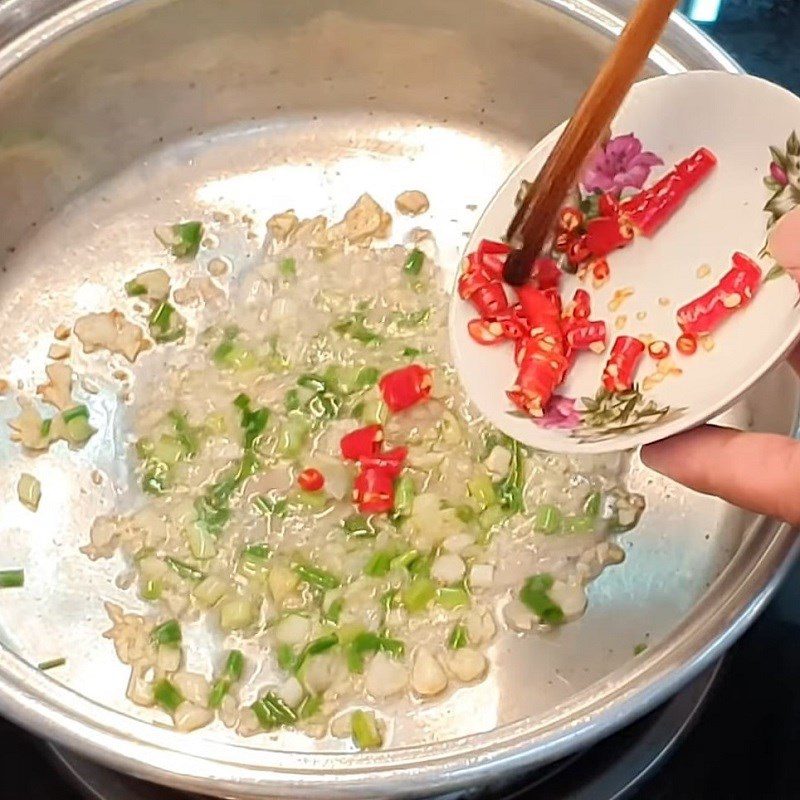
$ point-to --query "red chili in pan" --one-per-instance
(361, 443)
(391, 461)
(311, 480)
(406, 387)
(373, 491)
(651, 208)
(734, 290)
(621, 366)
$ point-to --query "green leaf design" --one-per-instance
(793, 144)
(775, 272)
(782, 201)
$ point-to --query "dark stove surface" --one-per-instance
(746, 744)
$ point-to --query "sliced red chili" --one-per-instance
(569, 218)
(492, 256)
(361, 443)
(583, 334)
(608, 205)
(406, 387)
(470, 281)
(734, 290)
(546, 274)
(513, 323)
(538, 306)
(686, 344)
(580, 307)
(578, 251)
(649, 209)
(485, 331)
(490, 299)
(311, 480)
(606, 234)
(621, 366)
(658, 350)
(562, 241)
(539, 374)
(373, 491)
(600, 272)
(391, 461)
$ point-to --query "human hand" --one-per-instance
(756, 471)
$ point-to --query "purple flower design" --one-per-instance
(560, 413)
(618, 165)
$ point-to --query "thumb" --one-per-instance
(756, 471)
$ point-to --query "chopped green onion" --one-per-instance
(186, 435)
(316, 383)
(288, 267)
(491, 516)
(414, 261)
(167, 696)
(12, 578)
(366, 643)
(354, 327)
(404, 560)
(511, 487)
(465, 513)
(152, 590)
(639, 648)
(316, 576)
(252, 421)
(315, 501)
(410, 352)
(334, 611)
(76, 412)
(315, 647)
(367, 377)
(482, 490)
(364, 729)
(534, 595)
(272, 712)
(135, 289)
(183, 569)
(578, 524)
(168, 633)
(547, 519)
(291, 401)
(293, 435)
(451, 597)
(234, 666)
(421, 565)
(358, 526)
(309, 706)
(379, 564)
(166, 324)
(286, 658)
(404, 492)
(44, 430)
(183, 239)
(52, 664)
(591, 505)
(388, 600)
(256, 552)
(419, 593)
(458, 638)
(271, 506)
(413, 319)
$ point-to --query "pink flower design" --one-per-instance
(778, 173)
(620, 164)
(560, 413)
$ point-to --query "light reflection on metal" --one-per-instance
(703, 10)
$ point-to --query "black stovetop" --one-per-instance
(746, 745)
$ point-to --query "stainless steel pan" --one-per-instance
(116, 115)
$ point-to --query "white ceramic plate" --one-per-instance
(737, 117)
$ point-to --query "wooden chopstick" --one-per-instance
(534, 219)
